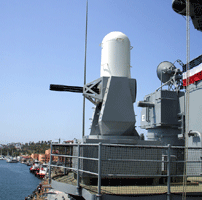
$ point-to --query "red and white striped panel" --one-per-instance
(194, 75)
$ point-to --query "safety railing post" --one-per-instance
(65, 161)
(99, 171)
(49, 175)
(168, 174)
(78, 176)
(71, 154)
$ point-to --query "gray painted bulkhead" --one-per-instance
(161, 119)
(195, 112)
(195, 126)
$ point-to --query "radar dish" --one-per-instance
(165, 71)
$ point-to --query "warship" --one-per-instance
(114, 161)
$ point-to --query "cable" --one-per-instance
(187, 98)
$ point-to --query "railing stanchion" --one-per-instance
(168, 173)
(49, 176)
(65, 161)
(99, 171)
(78, 176)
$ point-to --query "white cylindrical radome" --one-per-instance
(115, 55)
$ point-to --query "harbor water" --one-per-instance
(16, 182)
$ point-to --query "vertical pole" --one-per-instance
(71, 154)
(78, 177)
(187, 97)
(83, 122)
(99, 171)
(49, 180)
(65, 160)
(168, 173)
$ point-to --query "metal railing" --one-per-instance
(107, 161)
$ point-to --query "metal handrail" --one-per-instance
(99, 160)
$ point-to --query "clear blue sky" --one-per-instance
(42, 43)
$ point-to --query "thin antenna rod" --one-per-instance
(83, 128)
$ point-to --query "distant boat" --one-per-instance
(35, 167)
(12, 160)
(28, 163)
(1, 157)
(43, 170)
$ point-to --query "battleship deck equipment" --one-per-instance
(114, 161)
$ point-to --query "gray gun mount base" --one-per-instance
(114, 113)
(130, 140)
(112, 154)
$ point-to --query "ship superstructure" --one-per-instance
(114, 161)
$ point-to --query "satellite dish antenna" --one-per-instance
(165, 71)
